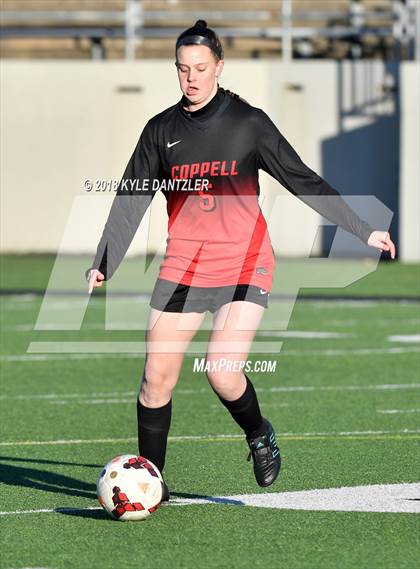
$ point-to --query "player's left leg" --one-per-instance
(167, 339)
(234, 328)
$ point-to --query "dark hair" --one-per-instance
(200, 34)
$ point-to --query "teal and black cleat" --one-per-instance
(266, 456)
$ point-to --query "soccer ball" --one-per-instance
(130, 487)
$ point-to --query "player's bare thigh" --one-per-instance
(167, 338)
(238, 316)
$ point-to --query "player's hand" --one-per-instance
(382, 240)
(94, 278)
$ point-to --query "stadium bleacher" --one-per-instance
(82, 29)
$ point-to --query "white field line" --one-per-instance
(378, 387)
(30, 327)
(333, 304)
(20, 298)
(130, 402)
(204, 390)
(138, 348)
(262, 404)
(68, 395)
(33, 358)
(122, 401)
(378, 322)
(13, 301)
(405, 338)
(115, 326)
(350, 351)
(322, 305)
(23, 302)
(93, 401)
(53, 327)
(397, 411)
(49, 511)
(134, 326)
(67, 301)
(139, 354)
(304, 334)
(395, 498)
(215, 438)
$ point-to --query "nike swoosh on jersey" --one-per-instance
(169, 144)
(262, 291)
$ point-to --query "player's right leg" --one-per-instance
(234, 327)
(167, 339)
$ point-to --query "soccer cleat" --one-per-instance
(165, 492)
(266, 456)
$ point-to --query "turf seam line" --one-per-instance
(273, 295)
(214, 438)
(280, 389)
(46, 355)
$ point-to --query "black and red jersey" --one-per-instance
(206, 163)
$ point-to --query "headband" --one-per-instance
(200, 40)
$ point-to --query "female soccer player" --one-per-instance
(205, 153)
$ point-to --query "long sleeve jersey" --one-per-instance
(206, 164)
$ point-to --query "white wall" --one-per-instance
(410, 163)
(64, 122)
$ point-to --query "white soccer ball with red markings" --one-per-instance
(130, 487)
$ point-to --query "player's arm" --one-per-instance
(277, 157)
(127, 210)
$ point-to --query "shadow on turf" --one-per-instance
(44, 461)
(44, 480)
(99, 514)
(21, 476)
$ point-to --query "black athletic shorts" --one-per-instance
(172, 297)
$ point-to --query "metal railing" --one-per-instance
(401, 22)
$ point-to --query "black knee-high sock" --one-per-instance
(246, 411)
(153, 427)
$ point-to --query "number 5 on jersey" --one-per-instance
(207, 201)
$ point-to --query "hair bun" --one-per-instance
(200, 34)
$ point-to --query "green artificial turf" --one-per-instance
(388, 278)
(328, 399)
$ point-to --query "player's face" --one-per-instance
(198, 72)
